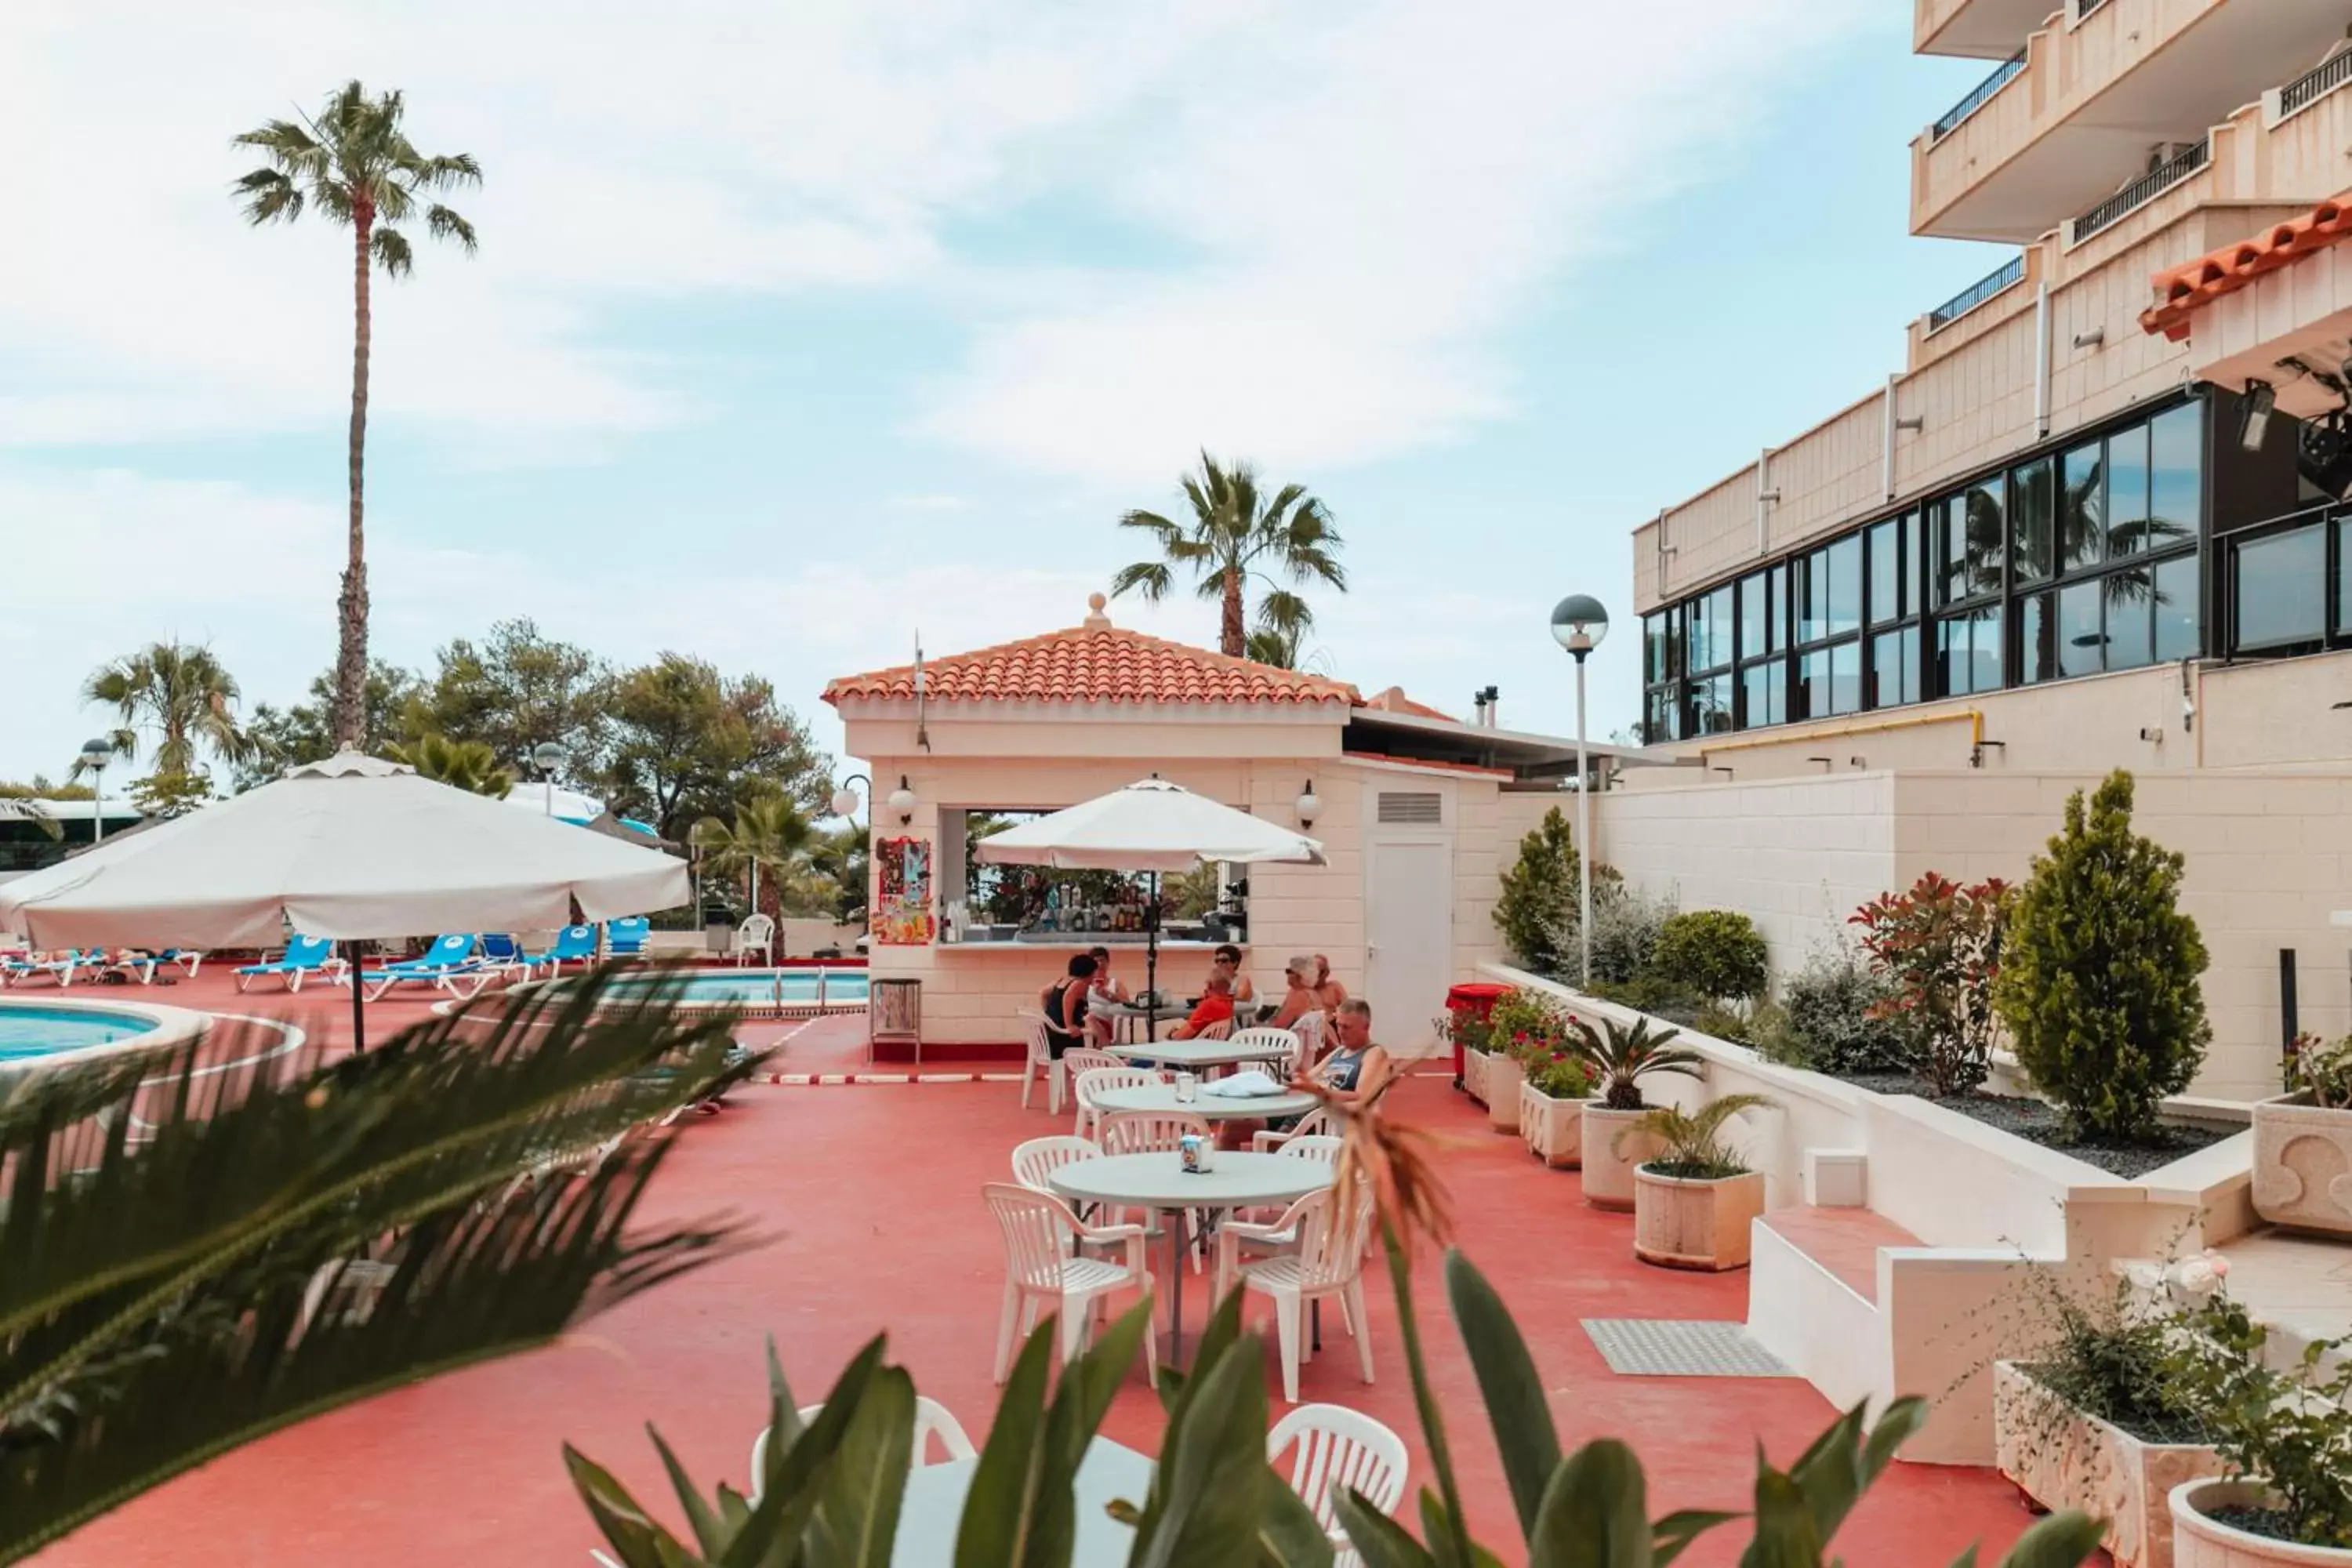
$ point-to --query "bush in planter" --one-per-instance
(1625, 929)
(1537, 909)
(1622, 1055)
(2098, 972)
(1717, 954)
(1937, 946)
(1690, 1143)
(2322, 1070)
(2290, 1431)
(1560, 1073)
(1838, 1017)
(1525, 1021)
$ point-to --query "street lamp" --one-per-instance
(845, 800)
(547, 756)
(95, 755)
(1578, 624)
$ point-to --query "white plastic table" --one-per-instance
(1193, 1054)
(1128, 1020)
(1161, 1097)
(933, 1508)
(1159, 1182)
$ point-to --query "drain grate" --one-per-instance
(1669, 1347)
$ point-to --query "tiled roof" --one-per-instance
(2182, 291)
(1095, 662)
(1394, 701)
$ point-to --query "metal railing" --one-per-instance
(2084, 7)
(2142, 190)
(2323, 78)
(2008, 273)
(1952, 117)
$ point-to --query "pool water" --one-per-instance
(767, 988)
(28, 1032)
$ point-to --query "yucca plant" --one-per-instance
(195, 1254)
(1625, 1055)
(1690, 1143)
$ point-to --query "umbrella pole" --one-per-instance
(1151, 962)
(359, 1000)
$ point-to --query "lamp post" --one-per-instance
(95, 755)
(846, 800)
(1578, 624)
(547, 756)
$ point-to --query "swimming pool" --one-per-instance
(30, 1031)
(768, 991)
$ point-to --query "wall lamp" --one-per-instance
(902, 802)
(2254, 415)
(1311, 807)
(2096, 338)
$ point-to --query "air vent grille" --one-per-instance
(1427, 810)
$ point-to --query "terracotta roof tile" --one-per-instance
(1097, 662)
(2182, 291)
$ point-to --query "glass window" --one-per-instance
(1895, 667)
(1886, 574)
(1654, 723)
(2033, 522)
(1813, 597)
(1776, 589)
(2082, 508)
(1951, 569)
(1984, 535)
(1967, 650)
(1711, 705)
(1915, 562)
(1845, 677)
(1846, 586)
(1658, 647)
(2175, 499)
(1755, 620)
(1764, 689)
(2129, 616)
(1813, 696)
(2037, 654)
(2344, 575)
(2281, 593)
(2127, 491)
(1718, 627)
(2081, 640)
(2176, 607)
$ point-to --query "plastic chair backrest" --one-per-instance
(755, 931)
(1081, 1059)
(1095, 1081)
(629, 935)
(1039, 1158)
(1323, 1146)
(1282, 1066)
(498, 947)
(574, 942)
(1034, 1224)
(450, 947)
(932, 1420)
(1331, 1245)
(1148, 1132)
(1333, 1448)
(1034, 1024)
(1223, 1029)
(310, 952)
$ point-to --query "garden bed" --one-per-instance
(2038, 1122)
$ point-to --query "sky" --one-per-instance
(800, 328)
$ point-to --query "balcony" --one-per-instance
(1999, 280)
(2104, 94)
(1989, 29)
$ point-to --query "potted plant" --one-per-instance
(1620, 1057)
(1557, 1087)
(1465, 1027)
(1524, 1027)
(2098, 1420)
(2302, 1143)
(1694, 1196)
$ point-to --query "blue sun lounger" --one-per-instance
(629, 936)
(305, 955)
(448, 962)
(17, 971)
(574, 944)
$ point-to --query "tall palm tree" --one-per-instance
(356, 165)
(1235, 534)
(178, 691)
(469, 765)
(769, 832)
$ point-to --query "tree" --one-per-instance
(1938, 948)
(1279, 649)
(178, 692)
(358, 167)
(769, 834)
(468, 765)
(1234, 534)
(305, 732)
(688, 742)
(2098, 979)
(514, 691)
(24, 808)
(171, 794)
(843, 855)
(1538, 909)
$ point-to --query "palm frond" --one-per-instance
(1159, 527)
(1150, 578)
(390, 248)
(442, 223)
(1284, 612)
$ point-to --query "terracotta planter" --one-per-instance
(2063, 1459)
(1505, 1075)
(1553, 1129)
(1473, 1075)
(1609, 1173)
(1680, 1223)
(2302, 1165)
(2201, 1542)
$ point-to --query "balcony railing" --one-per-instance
(2009, 272)
(1975, 100)
(2142, 190)
(2329, 75)
(2084, 7)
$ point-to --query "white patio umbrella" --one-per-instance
(1149, 826)
(352, 848)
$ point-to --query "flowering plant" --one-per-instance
(2322, 1069)
(1939, 945)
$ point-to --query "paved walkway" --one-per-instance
(869, 1195)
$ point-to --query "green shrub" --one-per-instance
(2098, 972)
(1837, 1020)
(1537, 909)
(1525, 1021)
(1648, 995)
(1936, 946)
(1713, 952)
(1625, 927)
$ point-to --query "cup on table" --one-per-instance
(1187, 1088)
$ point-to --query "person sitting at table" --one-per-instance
(1215, 1006)
(1298, 998)
(1063, 1003)
(1227, 960)
(1356, 1068)
(1328, 993)
(1103, 992)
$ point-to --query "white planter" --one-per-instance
(1609, 1171)
(1505, 1074)
(1684, 1222)
(2302, 1165)
(2063, 1459)
(2201, 1542)
(1552, 1129)
(1473, 1075)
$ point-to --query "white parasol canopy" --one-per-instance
(354, 848)
(1149, 826)
(570, 805)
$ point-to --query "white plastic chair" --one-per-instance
(756, 934)
(1041, 1062)
(1045, 1272)
(1283, 1068)
(1095, 1081)
(932, 1419)
(1316, 1123)
(1148, 1132)
(1038, 1159)
(1333, 1448)
(1329, 1262)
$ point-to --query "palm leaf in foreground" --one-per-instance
(152, 1293)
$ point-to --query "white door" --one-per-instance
(1408, 938)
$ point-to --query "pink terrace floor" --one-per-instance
(869, 1195)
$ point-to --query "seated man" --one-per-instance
(1356, 1068)
(1216, 1006)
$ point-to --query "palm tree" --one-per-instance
(469, 765)
(769, 832)
(358, 167)
(178, 691)
(14, 810)
(1237, 533)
